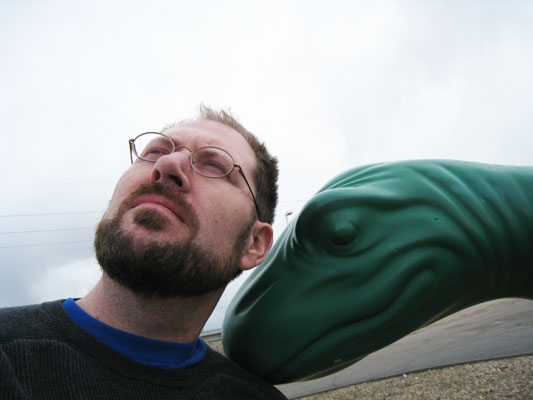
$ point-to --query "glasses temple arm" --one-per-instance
(131, 149)
(251, 191)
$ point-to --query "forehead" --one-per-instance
(202, 133)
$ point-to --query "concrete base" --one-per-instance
(496, 329)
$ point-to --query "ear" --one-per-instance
(259, 243)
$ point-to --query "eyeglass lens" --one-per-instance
(210, 161)
(151, 146)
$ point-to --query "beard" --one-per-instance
(163, 270)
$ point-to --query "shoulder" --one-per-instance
(27, 321)
(233, 378)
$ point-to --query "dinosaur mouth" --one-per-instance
(370, 333)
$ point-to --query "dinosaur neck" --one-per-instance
(512, 220)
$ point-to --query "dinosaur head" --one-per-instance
(369, 259)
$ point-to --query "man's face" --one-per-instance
(166, 223)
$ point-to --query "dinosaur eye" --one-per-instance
(342, 232)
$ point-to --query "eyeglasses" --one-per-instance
(208, 161)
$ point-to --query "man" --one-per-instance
(193, 211)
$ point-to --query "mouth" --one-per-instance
(159, 203)
(356, 337)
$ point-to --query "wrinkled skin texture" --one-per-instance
(377, 253)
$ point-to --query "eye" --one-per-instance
(152, 146)
(153, 153)
(212, 165)
(212, 162)
(342, 232)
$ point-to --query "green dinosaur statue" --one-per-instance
(377, 253)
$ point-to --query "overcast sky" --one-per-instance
(328, 85)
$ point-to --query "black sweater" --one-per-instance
(45, 355)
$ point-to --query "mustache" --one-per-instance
(176, 197)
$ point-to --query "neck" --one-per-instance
(503, 232)
(177, 319)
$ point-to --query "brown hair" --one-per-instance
(266, 173)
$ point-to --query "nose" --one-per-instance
(173, 168)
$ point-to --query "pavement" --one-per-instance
(496, 329)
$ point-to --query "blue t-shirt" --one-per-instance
(138, 348)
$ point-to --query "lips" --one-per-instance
(159, 201)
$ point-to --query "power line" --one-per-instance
(96, 212)
(55, 213)
(46, 230)
(56, 184)
(293, 201)
(52, 230)
(44, 244)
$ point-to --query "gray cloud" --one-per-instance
(327, 86)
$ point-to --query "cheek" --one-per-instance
(223, 214)
(127, 183)
(224, 207)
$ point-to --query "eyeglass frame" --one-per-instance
(133, 150)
